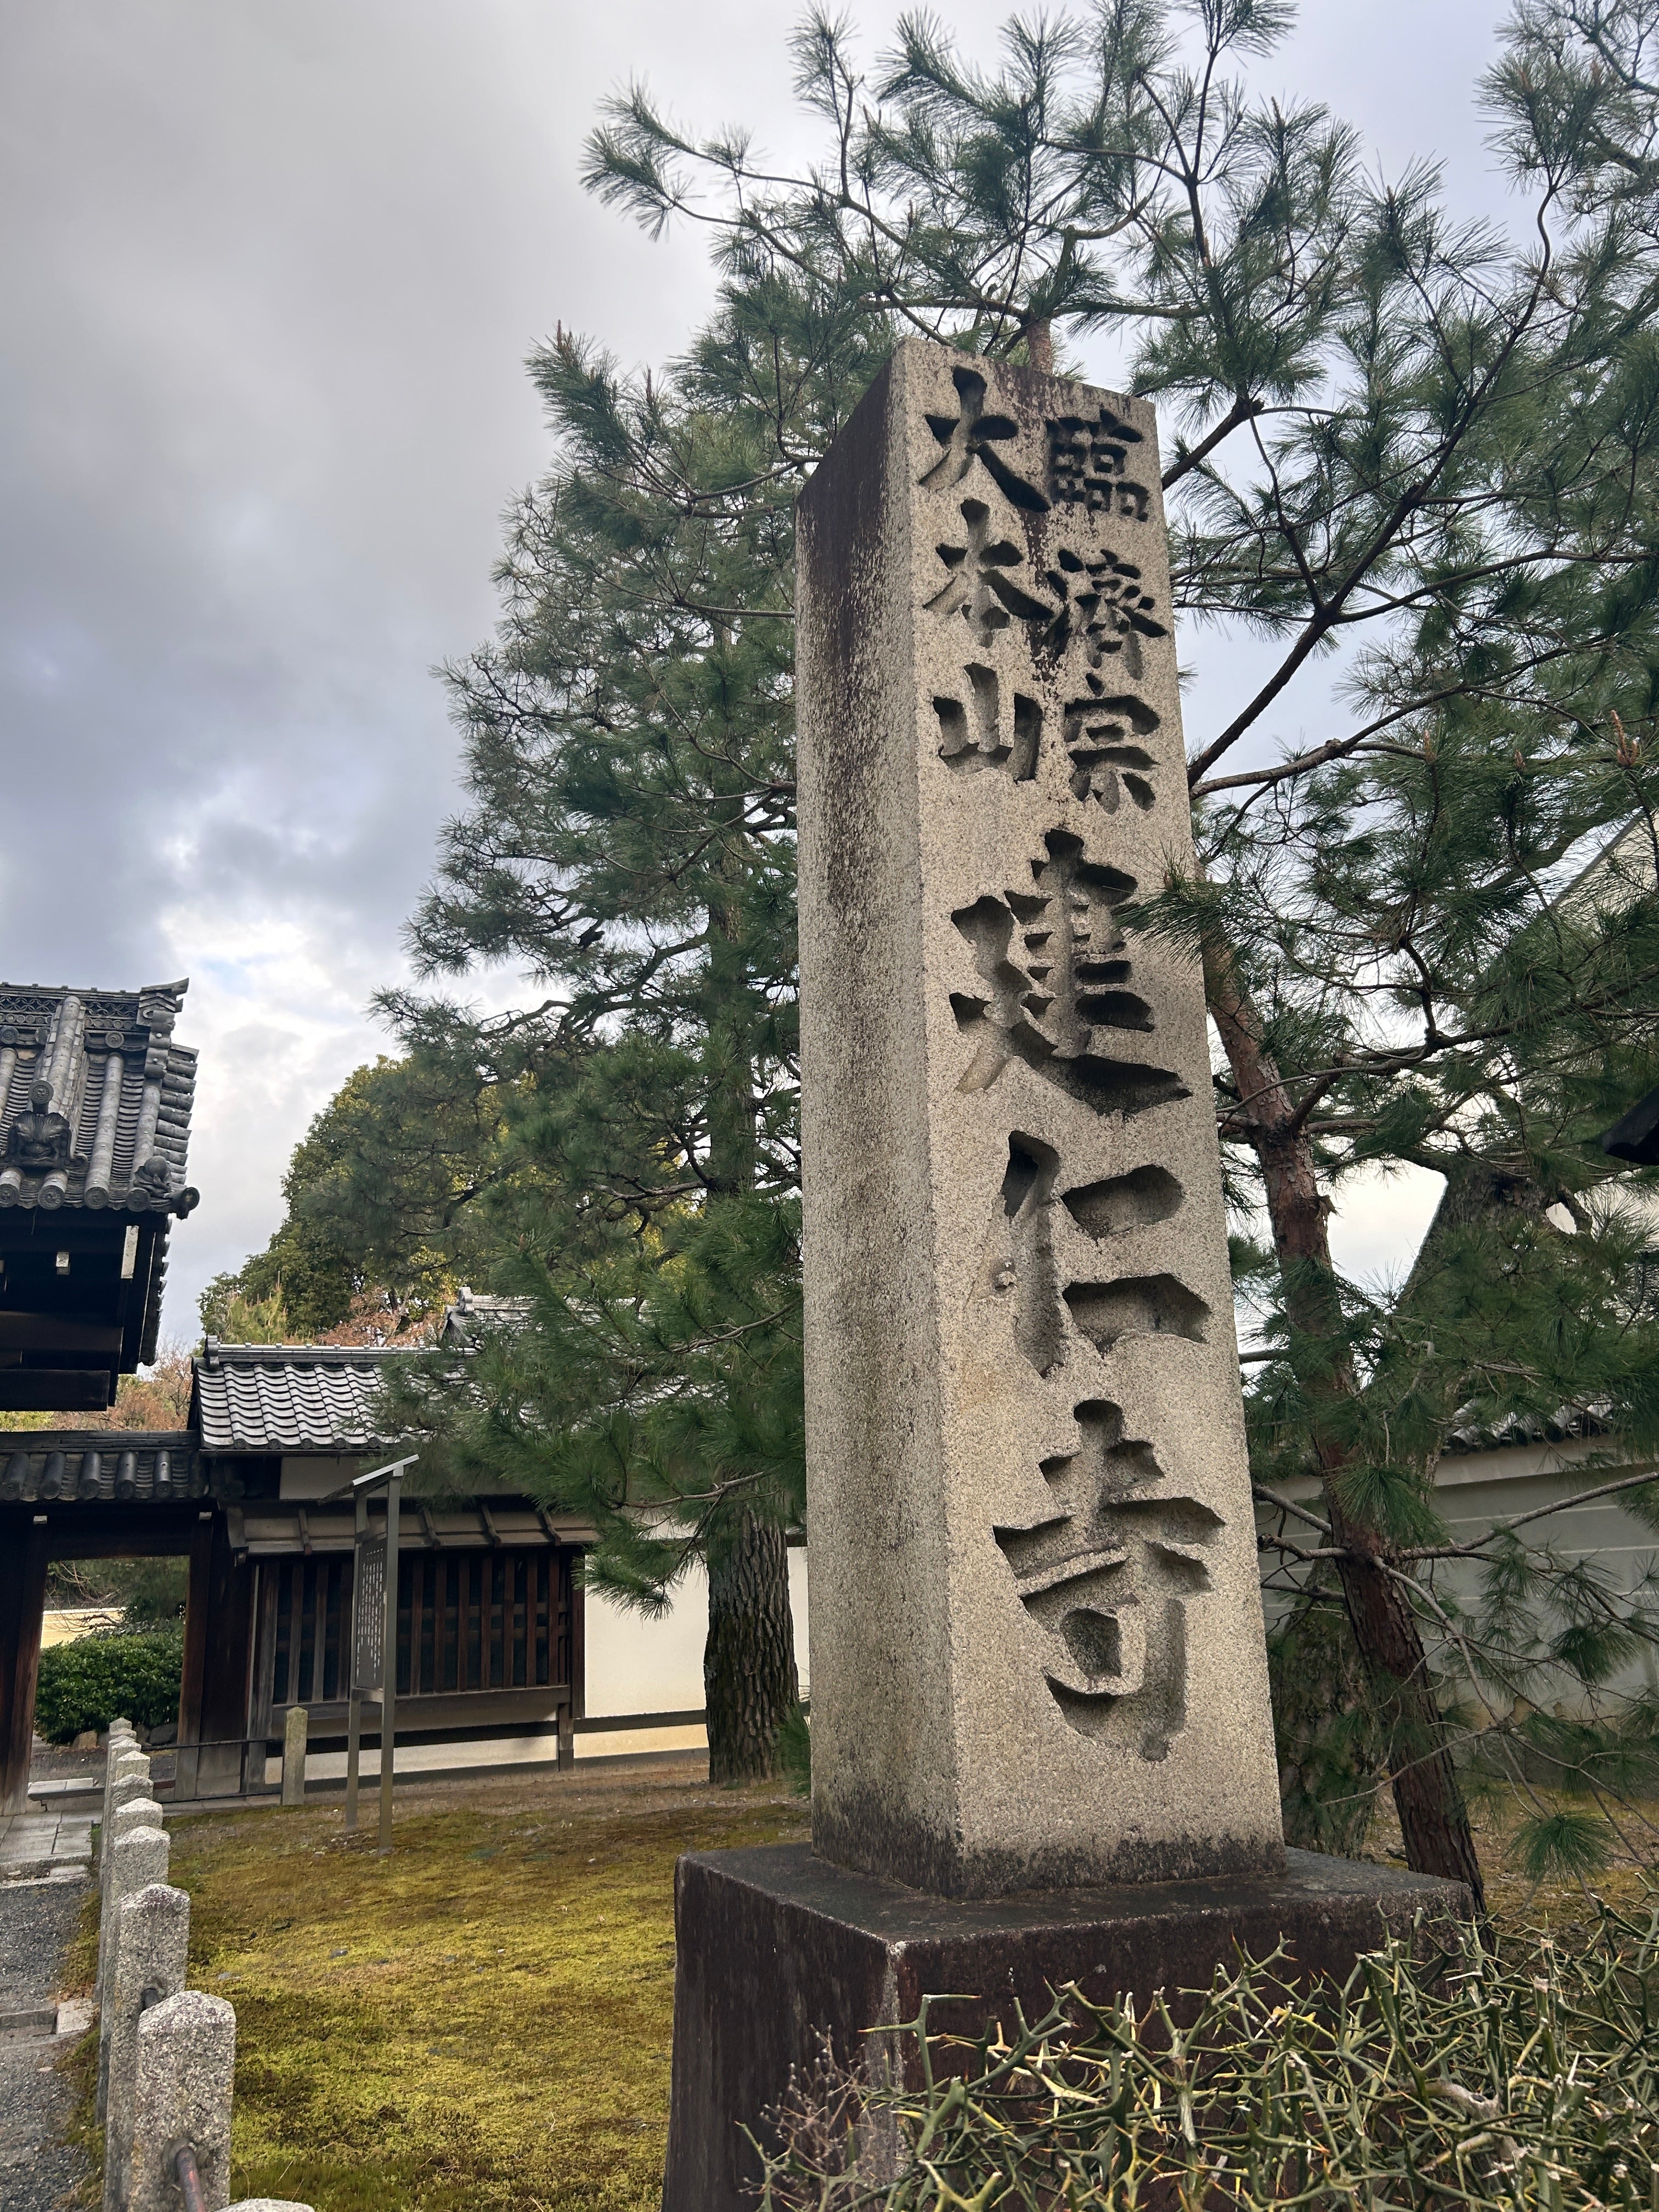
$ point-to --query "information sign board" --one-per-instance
(368, 1616)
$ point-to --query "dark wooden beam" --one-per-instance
(195, 1626)
(102, 1530)
(227, 1637)
(23, 1599)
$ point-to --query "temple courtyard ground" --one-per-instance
(483, 2019)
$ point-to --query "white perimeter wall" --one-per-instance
(641, 1666)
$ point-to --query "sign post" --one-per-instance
(374, 1634)
(389, 1655)
(364, 1674)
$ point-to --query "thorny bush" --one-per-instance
(1526, 2078)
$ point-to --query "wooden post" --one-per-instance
(295, 1728)
(577, 1643)
(390, 1662)
(355, 1698)
(195, 1664)
(389, 1665)
(22, 1599)
(228, 1639)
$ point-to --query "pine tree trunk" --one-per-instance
(749, 1675)
(1434, 1821)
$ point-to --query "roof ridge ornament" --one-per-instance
(39, 1139)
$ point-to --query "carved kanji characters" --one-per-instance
(972, 436)
(1109, 1576)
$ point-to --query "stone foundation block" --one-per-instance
(777, 1948)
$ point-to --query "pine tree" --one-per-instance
(629, 840)
(1431, 447)
(1423, 446)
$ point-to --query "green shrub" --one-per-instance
(88, 1683)
(1528, 2080)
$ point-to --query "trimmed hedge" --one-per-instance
(93, 1681)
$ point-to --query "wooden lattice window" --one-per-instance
(474, 1620)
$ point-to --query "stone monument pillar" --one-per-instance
(1041, 1746)
(1037, 1649)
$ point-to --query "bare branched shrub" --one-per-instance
(1426, 2080)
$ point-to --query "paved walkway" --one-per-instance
(44, 1846)
(39, 2172)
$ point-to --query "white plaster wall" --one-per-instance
(639, 1666)
(1474, 1489)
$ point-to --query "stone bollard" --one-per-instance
(294, 1756)
(133, 1811)
(126, 1789)
(186, 2064)
(151, 1946)
(141, 1857)
(121, 1739)
(126, 1777)
(125, 1768)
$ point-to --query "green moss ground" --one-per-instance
(482, 2020)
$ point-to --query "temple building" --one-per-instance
(94, 1124)
(93, 1136)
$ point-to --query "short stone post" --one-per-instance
(294, 1756)
(134, 1809)
(140, 1858)
(126, 1766)
(151, 1947)
(121, 1739)
(128, 1789)
(566, 1753)
(186, 2063)
(125, 1777)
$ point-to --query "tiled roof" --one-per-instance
(149, 1466)
(95, 1098)
(286, 1397)
(1564, 1425)
(472, 1313)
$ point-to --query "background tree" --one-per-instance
(627, 842)
(378, 1230)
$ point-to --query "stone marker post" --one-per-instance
(125, 1768)
(150, 1965)
(140, 1858)
(1042, 1746)
(187, 2065)
(1037, 1647)
(294, 1756)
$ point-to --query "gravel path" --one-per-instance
(38, 2172)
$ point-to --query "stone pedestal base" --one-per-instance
(776, 1947)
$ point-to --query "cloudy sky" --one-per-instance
(270, 271)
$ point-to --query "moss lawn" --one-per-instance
(482, 2020)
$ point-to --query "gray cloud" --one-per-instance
(269, 276)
